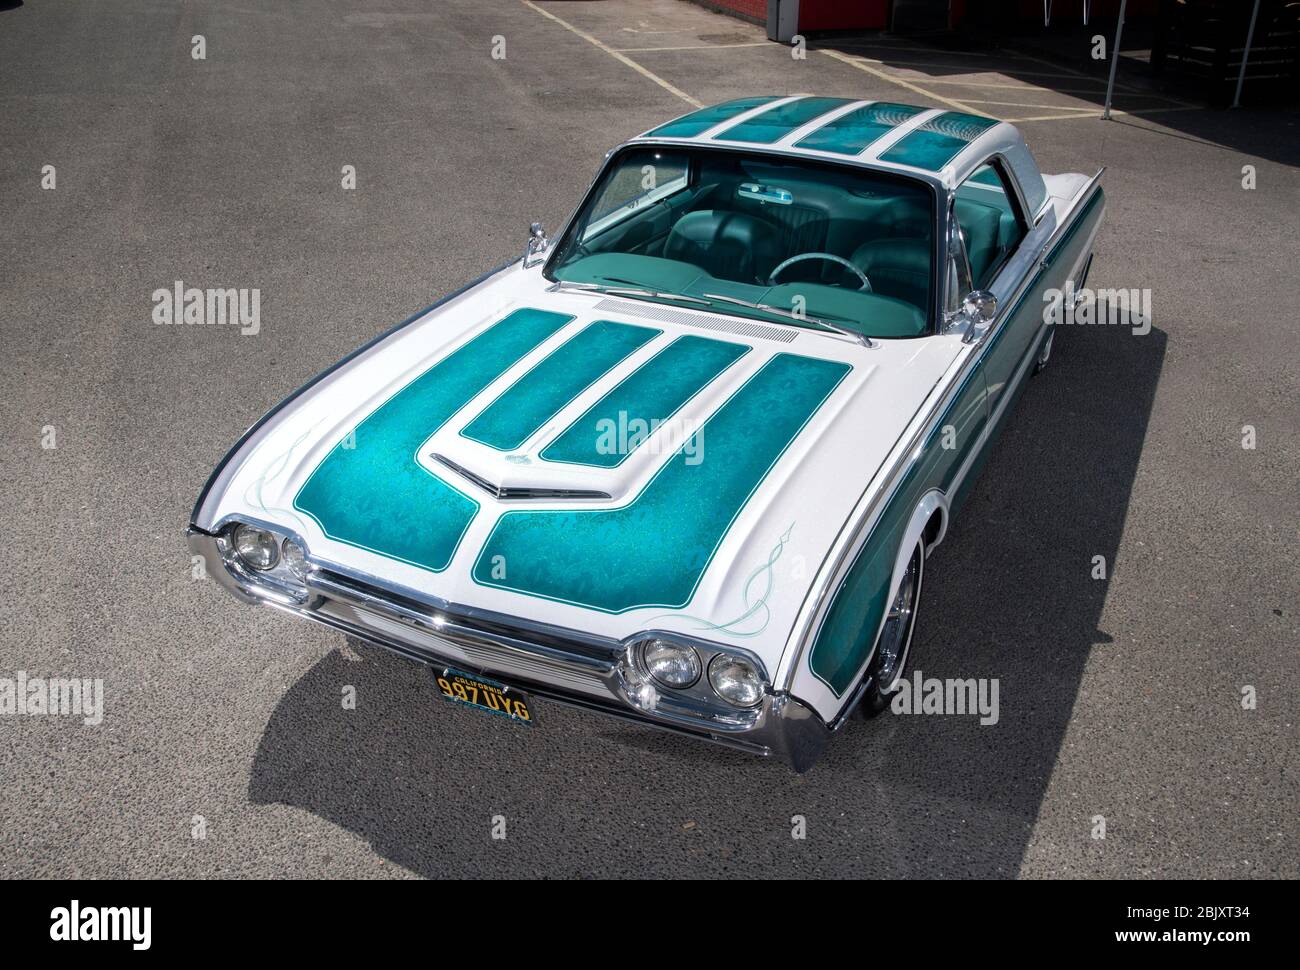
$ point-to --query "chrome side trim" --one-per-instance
(819, 594)
(1004, 400)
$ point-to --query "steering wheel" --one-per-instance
(866, 283)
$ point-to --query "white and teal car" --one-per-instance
(685, 463)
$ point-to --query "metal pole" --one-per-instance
(1114, 59)
(1250, 39)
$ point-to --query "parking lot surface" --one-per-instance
(224, 750)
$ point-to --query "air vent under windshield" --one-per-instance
(699, 320)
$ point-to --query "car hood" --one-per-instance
(596, 463)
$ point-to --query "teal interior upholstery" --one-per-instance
(896, 267)
(988, 224)
(728, 245)
(889, 317)
(981, 226)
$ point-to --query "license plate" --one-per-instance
(485, 695)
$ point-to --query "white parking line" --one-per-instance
(1059, 112)
(861, 66)
(617, 55)
(1074, 72)
(923, 50)
(1022, 104)
(1096, 113)
(692, 47)
(1004, 71)
(1029, 88)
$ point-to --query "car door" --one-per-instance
(987, 210)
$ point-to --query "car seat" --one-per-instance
(981, 225)
(726, 245)
(897, 267)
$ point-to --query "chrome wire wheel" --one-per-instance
(890, 658)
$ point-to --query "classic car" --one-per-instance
(684, 464)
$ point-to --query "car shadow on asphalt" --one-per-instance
(1009, 595)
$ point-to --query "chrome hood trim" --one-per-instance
(515, 491)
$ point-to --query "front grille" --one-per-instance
(474, 657)
(491, 630)
(480, 642)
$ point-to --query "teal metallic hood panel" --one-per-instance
(655, 391)
(653, 551)
(371, 492)
(376, 490)
(575, 365)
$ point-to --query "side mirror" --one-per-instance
(537, 244)
(978, 310)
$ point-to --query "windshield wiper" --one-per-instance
(860, 337)
(634, 292)
(638, 292)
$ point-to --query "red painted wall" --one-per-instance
(843, 14)
(874, 14)
(752, 9)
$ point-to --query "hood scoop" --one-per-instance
(502, 491)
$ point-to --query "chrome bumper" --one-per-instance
(561, 666)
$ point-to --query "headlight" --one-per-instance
(736, 680)
(295, 558)
(672, 664)
(257, 548)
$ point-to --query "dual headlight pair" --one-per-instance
(678, 666)
(264, 553)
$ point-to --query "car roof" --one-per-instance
(941, 146)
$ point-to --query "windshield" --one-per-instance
(815, 245)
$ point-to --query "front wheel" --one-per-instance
(889, 661)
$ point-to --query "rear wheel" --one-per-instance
(889, 662)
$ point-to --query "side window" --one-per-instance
(641, 180)
(991, 223)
